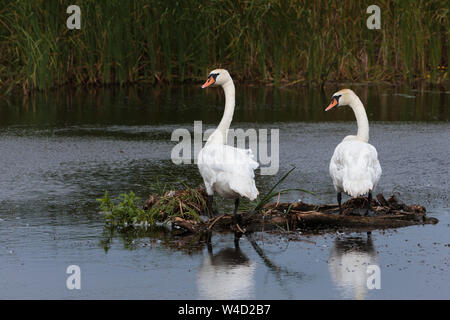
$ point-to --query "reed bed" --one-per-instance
(270, 41)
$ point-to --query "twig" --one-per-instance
(215, 220)
(181, 209)
(278, 199)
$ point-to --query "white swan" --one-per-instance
(354, 167)
(226, 170)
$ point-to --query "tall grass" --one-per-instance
(273, 41)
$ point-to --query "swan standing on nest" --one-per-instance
(354, 166)
(226, 170)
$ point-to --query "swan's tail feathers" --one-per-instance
(356, 188)
(243, 177)
(245, 187)
(361, 176)
(253, 194)
(253, 164)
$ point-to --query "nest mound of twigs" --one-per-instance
(185, 204)
(384, 214)
(380, 206)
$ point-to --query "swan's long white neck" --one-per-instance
(220, 134)
(361, 119)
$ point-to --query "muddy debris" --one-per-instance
(383, 214)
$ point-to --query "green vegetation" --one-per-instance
(272, 41)
(166, 205)
(260, 202)
(125, 211)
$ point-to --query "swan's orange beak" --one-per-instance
(208, 82)
(333, 104)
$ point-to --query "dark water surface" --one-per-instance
(61, 151)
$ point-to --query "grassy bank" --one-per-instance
(269, 41)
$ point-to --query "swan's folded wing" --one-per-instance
(224, 158)
(355, 168)
(337, 166)
(230, 167)
(373, 165)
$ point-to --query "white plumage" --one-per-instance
(226, 170)
(354, 166)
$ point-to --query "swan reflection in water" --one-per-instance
(228, 274)
(348, 262)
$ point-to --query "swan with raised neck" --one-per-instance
(221, 77)
(347, 97)
(354, 166)
(226, 170)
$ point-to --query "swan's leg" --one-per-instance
(339, 199)
(236, 205)
(208, 241)
(237, 219)
(209, 202)
(237, 237)
(236, 241)
(369, 201)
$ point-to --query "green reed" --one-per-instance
(270, 41)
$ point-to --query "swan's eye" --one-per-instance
(211, 80)
(214, 75)
(336, 98)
